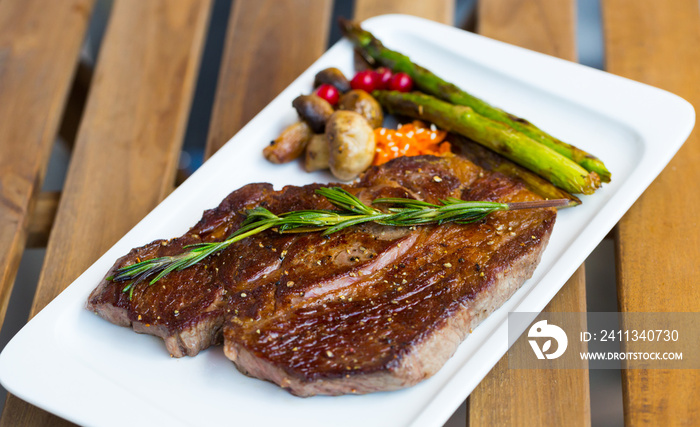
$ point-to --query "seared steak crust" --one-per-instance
(366, 309)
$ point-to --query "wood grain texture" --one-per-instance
(128, 144)
(440, 10)
(39, 46)
(658, 240)
(268, 44)
(534, 397)
(547, 26)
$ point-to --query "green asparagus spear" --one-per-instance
(495, 135)
(373, 50)
(491, 161)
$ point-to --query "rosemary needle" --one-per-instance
(352, 211)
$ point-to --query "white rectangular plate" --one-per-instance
(80, 367)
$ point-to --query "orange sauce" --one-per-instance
(411, 139)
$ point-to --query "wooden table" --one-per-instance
(130, 132)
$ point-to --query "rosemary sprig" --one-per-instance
(352, 211)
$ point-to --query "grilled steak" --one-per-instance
(366, 309)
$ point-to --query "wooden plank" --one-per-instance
(441, 11)
(657, 43)
(268, 44)
(547, 26)
(534, 397)
(39, 46)
(128, 144)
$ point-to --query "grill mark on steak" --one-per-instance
(365, 309)
(356, 276)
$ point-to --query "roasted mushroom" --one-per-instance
(290, 144)
(317, 153)
(332, 76)
(352, 144)
(363, 103)
(314, 110)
